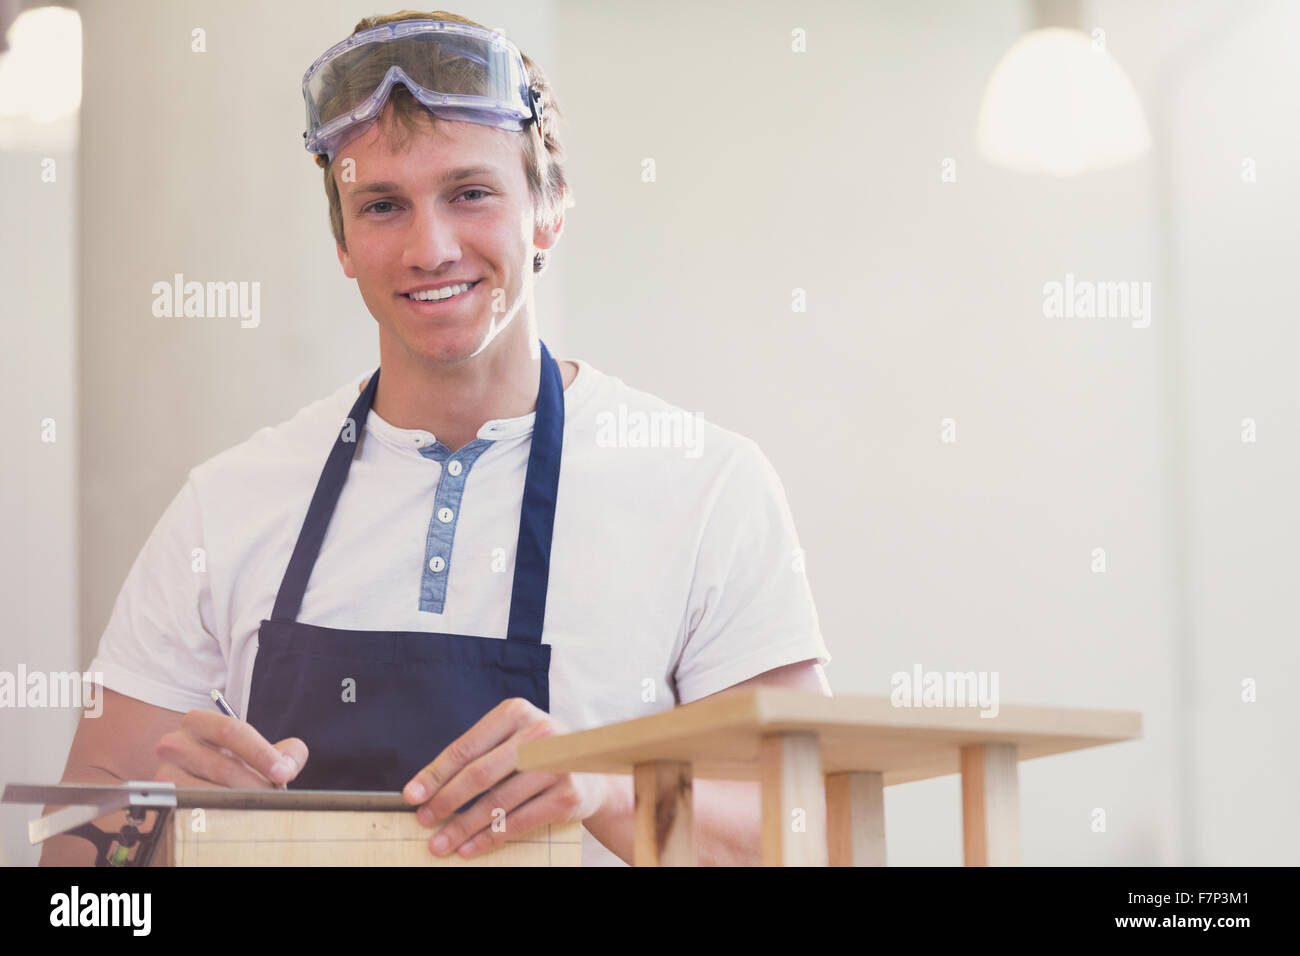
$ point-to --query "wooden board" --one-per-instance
(721, 735)
(343, 838)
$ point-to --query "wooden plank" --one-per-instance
(990, 805)
(794, 801)
(855, 819)
(664, 816)
(345, 838)
(719, 736)
(167, 852)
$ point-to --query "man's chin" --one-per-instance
(446, 343)
(450, 348)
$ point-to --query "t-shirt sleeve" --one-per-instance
(750, 608)
(160, 646)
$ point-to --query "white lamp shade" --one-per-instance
(1057, 105)
(40, 73)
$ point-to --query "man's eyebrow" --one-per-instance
(451, 176)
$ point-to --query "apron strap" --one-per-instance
(289, 599)
(537, 515)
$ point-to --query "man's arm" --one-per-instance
(727, 812)
(118, 745)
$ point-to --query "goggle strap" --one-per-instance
(535, 97)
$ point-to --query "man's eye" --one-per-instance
(374, 206)
(481, 192)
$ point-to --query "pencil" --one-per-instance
(219, 699)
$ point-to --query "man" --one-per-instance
(489, 553)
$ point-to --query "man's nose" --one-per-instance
(430, 241)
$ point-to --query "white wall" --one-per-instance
(1237, 246)
(38, 478)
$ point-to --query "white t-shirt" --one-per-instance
(674, 565)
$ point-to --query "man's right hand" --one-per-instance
(127, 739)
(212, 750)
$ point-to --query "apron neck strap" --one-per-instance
(537, 514)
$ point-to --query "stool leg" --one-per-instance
(855, 818)
(664, 818)
(794, 800)
(990, 805)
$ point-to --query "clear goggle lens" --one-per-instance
(457, 71)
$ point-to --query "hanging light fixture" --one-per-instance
(1058, 103)
(40, 72)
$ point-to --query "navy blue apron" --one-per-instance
(415, 691)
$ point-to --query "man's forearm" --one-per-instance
(726, 821)
(67, 850)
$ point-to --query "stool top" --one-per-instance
(720, 735)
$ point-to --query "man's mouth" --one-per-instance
(440, 294)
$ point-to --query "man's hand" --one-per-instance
(484, 758)
(213, 750)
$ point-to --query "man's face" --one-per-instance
(452, 207)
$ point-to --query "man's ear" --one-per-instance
(345, 261)
(545, 237)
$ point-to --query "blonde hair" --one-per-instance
(543, 169)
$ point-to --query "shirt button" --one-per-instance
(445, 515)
(437, 564)
(454, 468)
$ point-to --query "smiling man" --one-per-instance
(444, 558)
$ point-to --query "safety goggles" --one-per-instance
(457, 71)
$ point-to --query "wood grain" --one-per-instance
(664, 817)
(344, 838)
(855, 819)
(794, 801)
(990, 805)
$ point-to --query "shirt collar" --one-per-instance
(495, 429)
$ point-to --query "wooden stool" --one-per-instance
(823, 764)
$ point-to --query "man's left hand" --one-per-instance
(484, 758)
